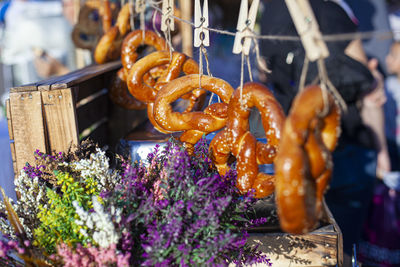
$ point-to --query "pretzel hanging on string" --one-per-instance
(303, 165)
(109, 46)
(147, 93)
(92, 23)
(236, 139)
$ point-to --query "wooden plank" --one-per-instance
(27, 126)
(78, 76)
(95, 109)
(321, 247)
(24, 88)
(60, 118)
(187, 31)
(312, 249)
(14, 162)
(9, 120)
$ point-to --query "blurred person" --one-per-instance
(361, 144)
(32, 25)
(380, 244)
(373, 15)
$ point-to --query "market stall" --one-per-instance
(136, 100)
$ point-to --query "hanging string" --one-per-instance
(327, 84)
(200, 66)
(260, 62)
(382, 35)
(241, 77)
(249, 68)
(153, 20)
(304, 71)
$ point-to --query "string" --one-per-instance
(327, 84)
(153, 19)
(328, 37)
(260, 62)
(304, 71)
(241, 77)
(249, 68)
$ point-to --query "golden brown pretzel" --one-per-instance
(109, 46)
(86, 30)
(133, 40)
(303, 165)
(146, 92)
(92, 15)
(196, 123)
(237, 139)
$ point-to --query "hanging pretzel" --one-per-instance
(109, 46)
(146, 92)
(135, 39)
(87, 30)
(303, 165)
(237, 139)
(195, 123)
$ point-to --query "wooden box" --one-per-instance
(53, 114)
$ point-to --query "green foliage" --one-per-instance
(58, 218)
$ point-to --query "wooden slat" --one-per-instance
(312, 249)
(9, 120)
(27, 125)
(24, 88)
(78, 76)
(60, 118)
(12, 148)
(94, 110)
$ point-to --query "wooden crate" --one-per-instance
(53, 114)
(321, 247)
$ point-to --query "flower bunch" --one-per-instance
(174, 210)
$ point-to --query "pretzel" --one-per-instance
(146, 92)
(109, 46)
(237, 139)
(87, 30)
(303, 165)
(133, 40)
(195, 123)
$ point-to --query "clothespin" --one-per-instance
(167, 13)
(308, 29)
(201, 33)
(245, 26)
(140, 6)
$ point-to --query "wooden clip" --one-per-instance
(308, 29)
(167, 19)
(140, 6)
(245, 26)
(201, 33)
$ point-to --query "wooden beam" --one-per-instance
(186, 29)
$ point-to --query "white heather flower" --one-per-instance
(97, 167)
(100, 222)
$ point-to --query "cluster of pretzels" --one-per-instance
(299, 146)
